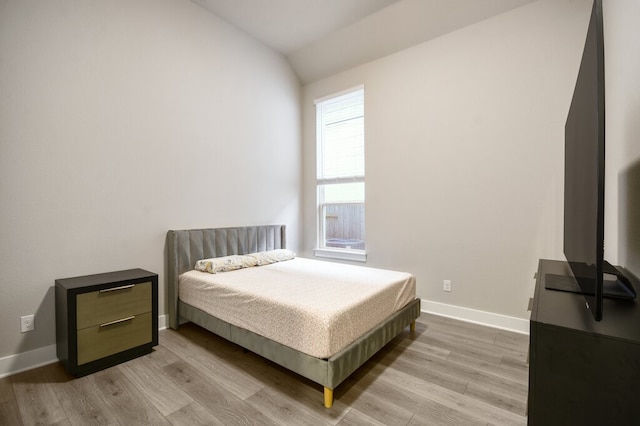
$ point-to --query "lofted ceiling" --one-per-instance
(322, 37)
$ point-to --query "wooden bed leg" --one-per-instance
(328, 397)
(412, 327)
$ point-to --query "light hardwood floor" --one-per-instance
(446, 373)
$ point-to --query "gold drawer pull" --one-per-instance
(106, 324)
(124, 287)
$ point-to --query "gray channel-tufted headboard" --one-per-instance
(186, 247)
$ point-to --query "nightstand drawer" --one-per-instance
(99, 307)
(114, 336)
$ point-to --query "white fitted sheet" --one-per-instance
(312, 306)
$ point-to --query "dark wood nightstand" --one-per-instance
(105, 319)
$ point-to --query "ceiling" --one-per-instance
(322, 37)
(288, 25)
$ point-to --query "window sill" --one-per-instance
(355, 255)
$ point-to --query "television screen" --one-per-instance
(584, 169)
(584, 183)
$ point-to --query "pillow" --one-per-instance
(272, 256)
(225, 264)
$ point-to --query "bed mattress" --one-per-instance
(312, 306)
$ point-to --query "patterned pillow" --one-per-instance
(225, 264)
(272, 256)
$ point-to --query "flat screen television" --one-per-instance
(584, 183)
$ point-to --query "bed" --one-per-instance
(186, 247)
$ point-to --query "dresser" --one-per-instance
(582, 372)
(105, 319)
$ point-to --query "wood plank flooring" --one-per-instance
(446, 373)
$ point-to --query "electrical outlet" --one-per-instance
(27, 323)
(446, 285)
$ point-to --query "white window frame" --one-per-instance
(321, 250)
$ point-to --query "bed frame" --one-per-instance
(185, 247)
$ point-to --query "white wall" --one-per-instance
(464, 154)
(622, 87)
(119, 121)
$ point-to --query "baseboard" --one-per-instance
(162, 322)
(503, 322)
(24, 361)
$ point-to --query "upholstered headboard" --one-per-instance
(186, 247)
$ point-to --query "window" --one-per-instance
(340, 175)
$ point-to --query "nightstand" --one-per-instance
(105, 319)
